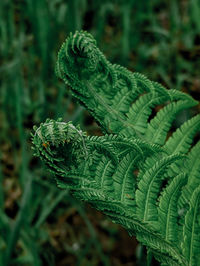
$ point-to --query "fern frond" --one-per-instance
(103, 144)
(147, 184)
(149, 187)
(104, 171)
(111, 93)
(192, 165)
(147, 235)
(182, 139)
(140, 111)
(192, 168)
(167, 209)
(159, 126)
(191, 230)
(124, 180)
(106, 183)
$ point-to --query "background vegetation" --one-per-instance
(39, 224)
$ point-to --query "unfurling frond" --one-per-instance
(137, 175)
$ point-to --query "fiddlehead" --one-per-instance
(52, 137)
(101, 179)
(119, 100)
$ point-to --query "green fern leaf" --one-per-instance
(181, 140)
(124, 180)
(124, 172)
(192, 168)
(191, 230)
(167, 209)
(159, 126)
(141, 110)
(149, 187)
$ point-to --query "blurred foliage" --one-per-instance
(40, 225)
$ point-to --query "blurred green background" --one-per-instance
(39, 224)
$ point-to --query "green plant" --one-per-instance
(136, 174)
